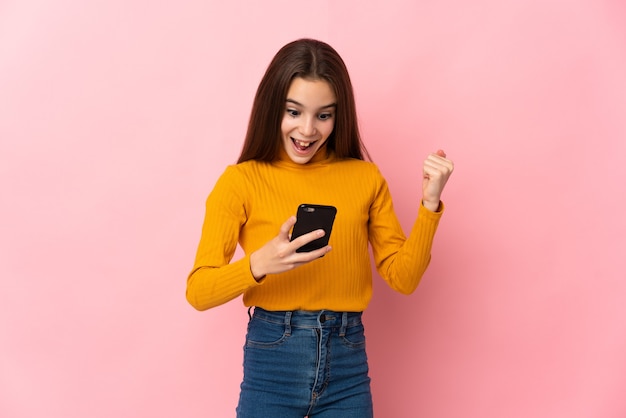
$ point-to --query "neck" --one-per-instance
(322, 155)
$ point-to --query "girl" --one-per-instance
(304, 353)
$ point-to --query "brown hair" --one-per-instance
(309, 59)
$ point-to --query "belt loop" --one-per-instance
(288, 323)
(344, 324)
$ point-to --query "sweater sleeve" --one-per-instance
(400, 261)
(214, 280)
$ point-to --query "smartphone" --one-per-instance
(312, 217)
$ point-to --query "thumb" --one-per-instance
(286, 227)
(441, 153)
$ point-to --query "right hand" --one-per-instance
(279, 254)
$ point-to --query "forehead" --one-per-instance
(311, 93)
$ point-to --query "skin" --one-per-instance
(437, 170)
(309, 118)
(308, 121)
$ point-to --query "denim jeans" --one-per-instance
(301, 363)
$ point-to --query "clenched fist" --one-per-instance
(437, 171)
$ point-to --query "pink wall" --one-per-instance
(116, 117)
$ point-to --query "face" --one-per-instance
(309, 118)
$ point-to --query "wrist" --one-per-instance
(432, 206)
(254, 268)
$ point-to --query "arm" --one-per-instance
(213, 281)
(208, 286)
(403, 261)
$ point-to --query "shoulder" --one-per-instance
(234, 178)
(355, 163)
(246, 176)
(237, 182)
(353, 166)
(243, 171)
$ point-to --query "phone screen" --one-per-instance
(311, 217)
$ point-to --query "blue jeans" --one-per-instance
(301, 363)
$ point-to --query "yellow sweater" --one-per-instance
(250, 202)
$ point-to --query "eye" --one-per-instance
(325, 116)
(293, 112)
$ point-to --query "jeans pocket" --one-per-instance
(264, 334)
(355, 337)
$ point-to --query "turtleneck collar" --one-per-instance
(322, 157)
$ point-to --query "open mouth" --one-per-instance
(301, 145)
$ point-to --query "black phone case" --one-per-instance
(311, 217)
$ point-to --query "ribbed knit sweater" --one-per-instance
(251, 200)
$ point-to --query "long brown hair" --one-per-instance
(313, 60)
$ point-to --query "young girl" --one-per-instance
(304, 353)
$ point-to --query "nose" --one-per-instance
(307, 128)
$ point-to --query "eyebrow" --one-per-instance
(301, 105)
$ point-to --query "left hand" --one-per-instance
(437, 171)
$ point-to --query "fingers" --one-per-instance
(435, 167)
(439, 156)
(291, 258)
(304, 239)
(308, 237)
(437, 170)
(306, 257)
(438, 159)
(279, 254)
(286, 227)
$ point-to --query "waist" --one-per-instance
(309, 319)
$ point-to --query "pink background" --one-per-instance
(117, 116)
